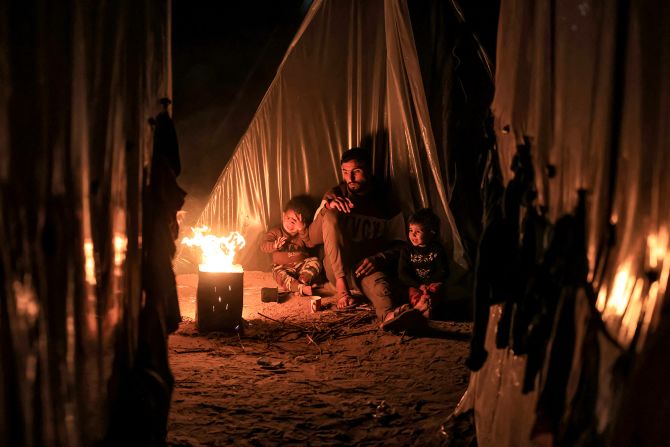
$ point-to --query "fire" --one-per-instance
(217, 251)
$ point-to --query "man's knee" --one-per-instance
(377, 284)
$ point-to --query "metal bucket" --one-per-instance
(219, 301)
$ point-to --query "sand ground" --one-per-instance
(294, 377)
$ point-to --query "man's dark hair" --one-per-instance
(362, 156)
(427, 219)
(303, 205)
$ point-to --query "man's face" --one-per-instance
(355, 175)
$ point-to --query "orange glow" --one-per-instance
(631, 316)
(602, 299)
(657, 248)
(649, 308)
(217, 251)
(665, 274)
(27, 305)
(621, 292)
(89, 262)
(120, 246)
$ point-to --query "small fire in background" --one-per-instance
(217, 251)
(219, 298)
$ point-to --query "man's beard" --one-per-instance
(358, 187)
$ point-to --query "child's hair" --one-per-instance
(302, 205)
(427, 219)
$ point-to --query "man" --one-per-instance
(362, 230)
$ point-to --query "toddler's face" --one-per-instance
(417, 235)
(291, 222)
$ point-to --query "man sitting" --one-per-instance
(362, 230)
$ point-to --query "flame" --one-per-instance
(217, 251)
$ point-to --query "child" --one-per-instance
(292, 266)
(423, 264)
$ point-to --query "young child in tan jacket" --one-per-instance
(292, 266)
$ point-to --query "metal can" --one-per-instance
(315, 303)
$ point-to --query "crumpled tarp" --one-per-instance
(588, 84)
(78, 82)
(351, 77)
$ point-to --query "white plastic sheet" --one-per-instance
(350, 78)
(587, 82)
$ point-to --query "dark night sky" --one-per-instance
(225, 55)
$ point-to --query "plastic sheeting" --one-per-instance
(504, 416)
(594, 111)
(77, 84)
(351, 77)
(588, 83)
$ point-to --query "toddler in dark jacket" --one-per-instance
(423, 266)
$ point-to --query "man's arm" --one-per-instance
(336, 199)
(303, 235)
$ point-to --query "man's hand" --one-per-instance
(341, 204)
(366, 267)
(279, 242)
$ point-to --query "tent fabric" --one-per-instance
(586, 84)
(77, 84)
(504, 415)
(456, 54)
(351, 77)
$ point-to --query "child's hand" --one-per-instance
(424, 303)
(433, 288)
(299, 223)
(279, 242)
(423, 288)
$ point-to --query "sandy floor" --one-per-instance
(300, 378)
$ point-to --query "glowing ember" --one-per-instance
(217, 252)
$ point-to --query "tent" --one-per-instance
(78, 83)
(351, 77)
(583, 86)
(580, 101)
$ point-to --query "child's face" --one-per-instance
(417, 235)
(292, 222)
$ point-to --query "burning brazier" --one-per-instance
(219, 301)
(220, 282)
